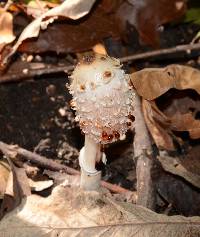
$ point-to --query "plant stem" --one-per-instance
(89, 154)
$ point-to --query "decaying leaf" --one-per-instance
(158, 125)
(73, 212)
(78, 37)
(38, 186)
(4, 174)
(58, 177)
(148, 15)
(150, 83)
(180, 194)
(73, 9)
(174, 166)
(6, 28)
(178, 112)
(16, 189)
(186, 122)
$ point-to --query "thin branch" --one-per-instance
(38, 72)
(179, 48)
(43, 162)
(144, 159)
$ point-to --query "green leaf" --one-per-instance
(193, 15)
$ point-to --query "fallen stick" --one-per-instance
(13, 151)
(144, 160)
(35, 72)
(55, 69)
(179, 48)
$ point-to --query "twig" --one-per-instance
(179, 48)
(56, 69)
(144, 161)
(43, 162)
(36, 72)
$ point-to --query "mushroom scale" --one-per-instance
(102, 98)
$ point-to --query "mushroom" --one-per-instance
(103, 101)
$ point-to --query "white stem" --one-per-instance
(89, 154)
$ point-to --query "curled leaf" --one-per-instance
(6, 28)
(148, 15)
(158, 124)
(186, 122)
(151, 83)
(73, 9)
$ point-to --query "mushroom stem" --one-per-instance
(89, 154)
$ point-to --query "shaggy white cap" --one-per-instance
(102, 98)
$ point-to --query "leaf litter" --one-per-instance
(70, 211)
(121, 218)
(73, 9)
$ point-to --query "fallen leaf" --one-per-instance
(184, 197)
(176, 110)
(4, 174)
(186, 122)
(16, 189)
(72, 212)
(38, 186)
(73, 9)
(6, 28)
(174, 166)
(181, 101)
(191, 161)
(58, 177)
(193, 15)
(151, 83)
(148, 15)
(158, 124)
(17, 186)
(74, 37)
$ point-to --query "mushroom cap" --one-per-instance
(102, 98)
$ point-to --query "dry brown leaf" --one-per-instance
(176, 112)
(73, 212)
(181, 195)
(38, 186)
(78, 37)
(186, 122)
(192, 160)
(4, 174)
(6, 28)
(148, 15)
(71, 180)
(73, 9)
(150, 83)
(174, 166)
(17, 187)
(158, 125)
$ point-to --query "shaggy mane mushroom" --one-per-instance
(103, 101)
